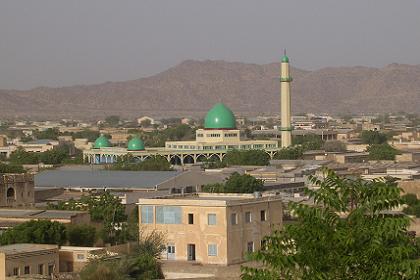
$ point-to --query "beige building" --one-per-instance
(211, 228)
(28, 259)
(73, 258)
(16, 190)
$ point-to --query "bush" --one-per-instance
(81, 235)
(11, 168)
(246, 157)
(335, 146)
(381, 152)
(236, 183)
(294, 152)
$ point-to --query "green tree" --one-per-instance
(53, 156)
(41, 231)
(140, 264)
(365, 243)
(81, 235)
(154, 163)
(381, 152)
(20, 156)
(236, 183)
(49, 133)
(11, 168)
(308, 142)
(293, 152)
(373, 137)
(246, 157)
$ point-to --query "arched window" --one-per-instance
(10, 193)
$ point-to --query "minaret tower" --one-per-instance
(286, 118)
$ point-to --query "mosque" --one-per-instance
(212, 143)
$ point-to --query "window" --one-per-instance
(41, 269)
(190, 218)
(80, 256)
(147, 214)
(263, 215)
(16, 271)
(233, 219)
(212, 250)
(211, 219)
(168, 215)
(247, 217)
(27, 270)
(171, 249)
(250, 247)
(50, 269)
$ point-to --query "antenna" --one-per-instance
(284, 51)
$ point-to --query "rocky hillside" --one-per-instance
(192, 87)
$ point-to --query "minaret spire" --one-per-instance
(286, 123)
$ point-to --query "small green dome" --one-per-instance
(102, 142)
(220, 117)
(135, 144)
(285, 59)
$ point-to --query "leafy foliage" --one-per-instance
(49, 133)
(381, 152)
(309, 141)
(11, 168)
(42, 232)
(158, 138)
(54, 156)
(236, 183)
(154, 163)
(373, 137)
(81, 235)
(20, 156)
(413, 205)
(293, 152)
(142, 264)
(105, 208)
(246, 157)
(367, 243)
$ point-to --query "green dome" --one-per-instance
(135, 144)
(102, 142)
(220, 117)
(285, 59)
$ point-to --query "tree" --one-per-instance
(373, 137)
(381, 152)
(309, 141)
(335, 146)
(81, 235)
(366, 243)
(293, 152)
(49, 133)
(246, 157)
(20, 156)
(35, 231)
(11, 168)
(141, 264)
(53, 156)
(236, 183)
(154, 163)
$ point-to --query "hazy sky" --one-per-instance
(59, 43)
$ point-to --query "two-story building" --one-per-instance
(211, 228)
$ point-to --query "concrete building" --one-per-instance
(211, 228)
(28, 259)
(10, 217)
(213, 142)
(73, 258)
(16, 190)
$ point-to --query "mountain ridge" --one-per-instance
(191, 87)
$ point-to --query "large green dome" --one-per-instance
(135, 144)
(220, 117)
(102, 142)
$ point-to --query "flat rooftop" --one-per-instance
(207, 199)
(25, 248)
(37, 214)
(99, 179)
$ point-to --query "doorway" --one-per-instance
(191, 252)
